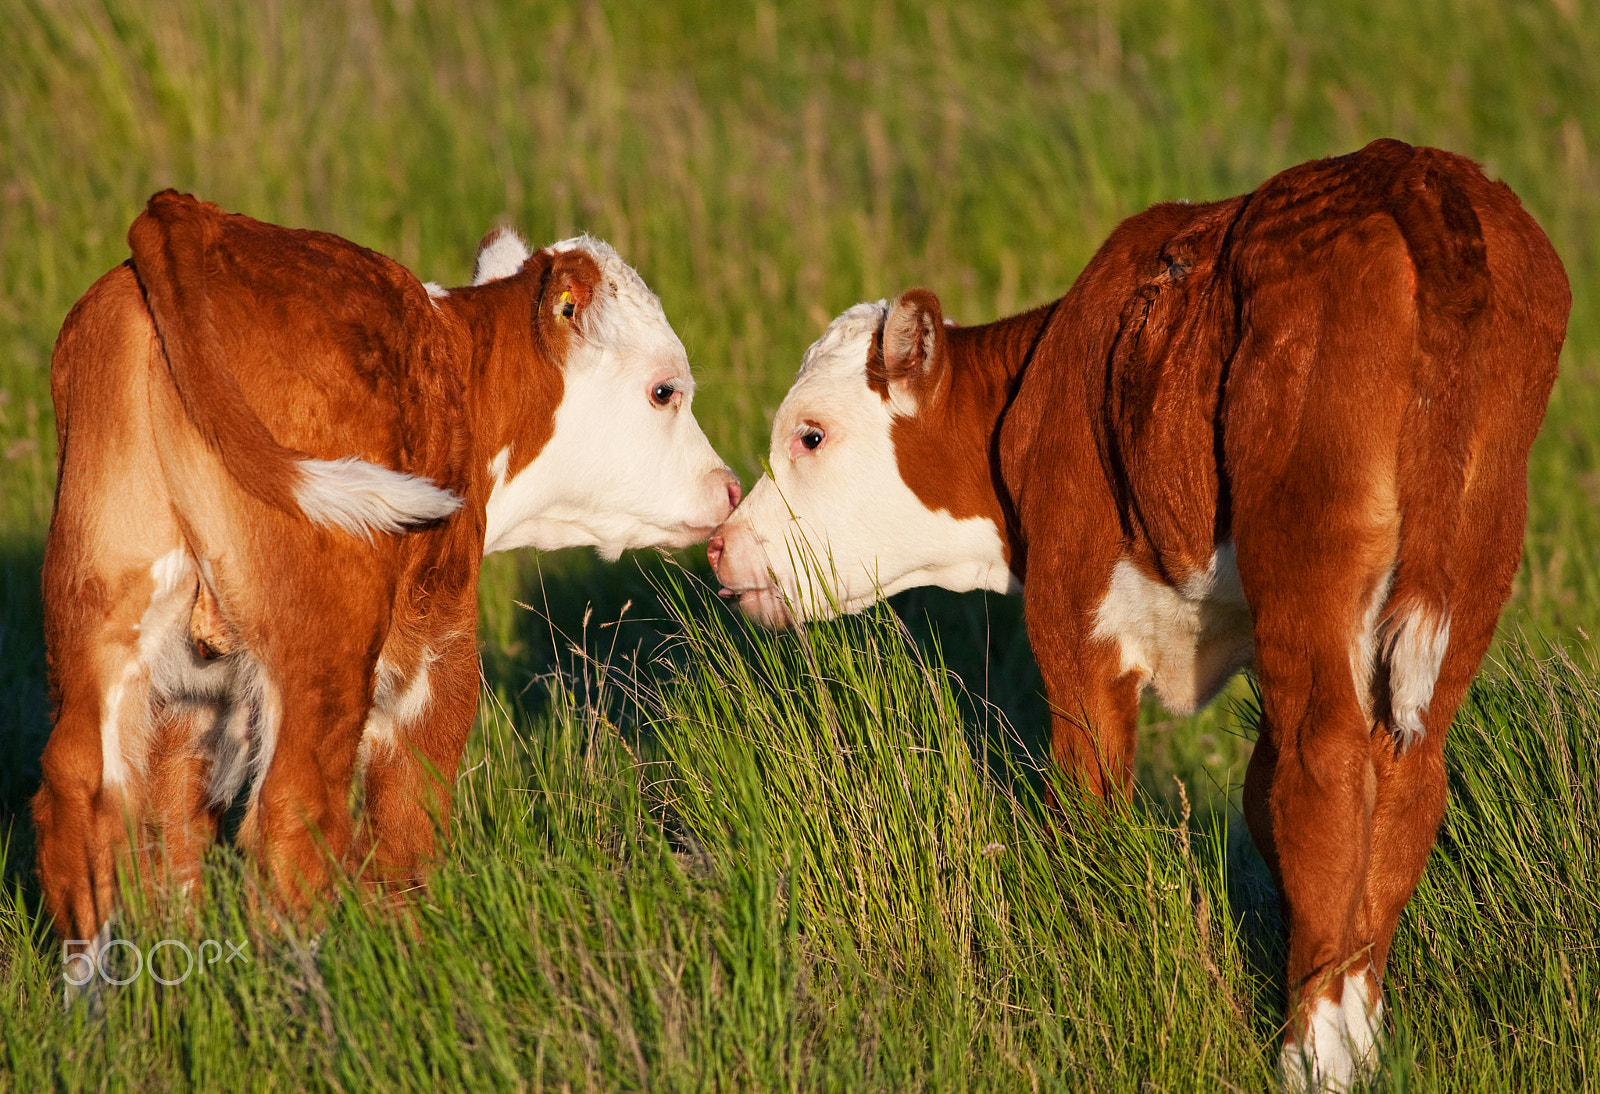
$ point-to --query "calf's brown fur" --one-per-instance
(1342, 373)
(1336, 378)
(191, 383)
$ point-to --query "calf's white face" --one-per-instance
(627, 465)
(833, 525)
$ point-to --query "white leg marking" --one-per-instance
(395, 702)
(1363, 1021)
(114, 769)
(268, 703)
(125, 718)
(84, 983)
(1340, 1045)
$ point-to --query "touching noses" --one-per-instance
(722, 498)
(734, 492)
(717, 545)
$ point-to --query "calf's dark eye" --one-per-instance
(662, 394)
(811, 438)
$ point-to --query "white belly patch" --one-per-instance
(1185, 642)
(396, 702)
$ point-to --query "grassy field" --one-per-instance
(694, 857)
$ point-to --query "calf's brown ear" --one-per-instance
(908, 358)
(568, 303)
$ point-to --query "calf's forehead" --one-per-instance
(832, 380)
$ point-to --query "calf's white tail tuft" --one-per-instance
(362, 498)
(1414, 647)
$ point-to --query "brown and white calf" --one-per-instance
(1290, 430)
(282, 458)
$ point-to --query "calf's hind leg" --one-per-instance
(413, 746)
(92, 796)
(1411, 783)
(297, 826)
(317, 688)
(185, 818)
(86, 806)
(1312, 787)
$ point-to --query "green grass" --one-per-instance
(794, 874)
(690, 856)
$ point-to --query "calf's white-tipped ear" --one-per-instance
(909, 362)
(501, 254)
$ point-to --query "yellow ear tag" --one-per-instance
(567, 306)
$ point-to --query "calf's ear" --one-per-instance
(907, 363)
(569, 305)
(500, 254)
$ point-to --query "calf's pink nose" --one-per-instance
(734, 492)
(714, 544)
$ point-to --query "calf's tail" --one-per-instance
(170, 241)
(1436, 217)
